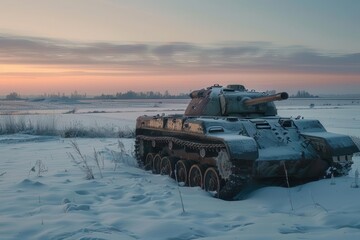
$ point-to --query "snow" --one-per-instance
(130, 203)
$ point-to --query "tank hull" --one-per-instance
(228, 153)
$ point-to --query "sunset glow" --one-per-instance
(178, 46)
(41, 81)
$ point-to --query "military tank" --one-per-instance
(230, 137)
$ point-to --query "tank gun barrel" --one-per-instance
(275, 97)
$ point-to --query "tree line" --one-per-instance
(143, 95)
(120, 95)
(138, 95)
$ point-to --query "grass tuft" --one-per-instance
(81, 161)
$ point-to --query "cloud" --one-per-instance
(178, 57)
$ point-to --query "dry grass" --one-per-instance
(81, 161)
(12, 124)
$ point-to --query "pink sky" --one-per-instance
(34, 83)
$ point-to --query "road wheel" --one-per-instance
(182, 168)
(156, 164)
(167, 166)
(212, 181)
(196, 176)
(149, 161)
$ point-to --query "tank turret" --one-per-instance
(233, 100)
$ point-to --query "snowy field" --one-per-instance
(45, 194)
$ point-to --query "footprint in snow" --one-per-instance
(74, 207)
(82, 192)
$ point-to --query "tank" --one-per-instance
(229, 137)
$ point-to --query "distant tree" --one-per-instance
(105, 96)
(76, 95)
(303, 94)
(13, 96)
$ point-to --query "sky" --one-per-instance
(110, 46)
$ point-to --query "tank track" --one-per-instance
(233, 184)
(339, 169)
